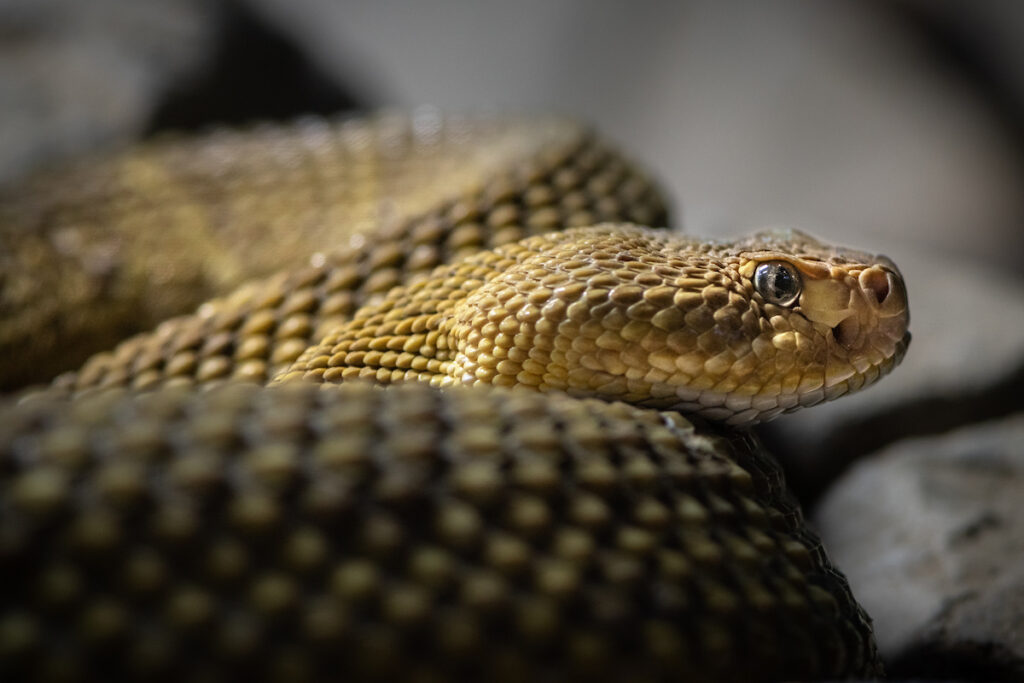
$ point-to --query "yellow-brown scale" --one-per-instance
(263, 326)
(293, 533)
(347, 532)
(113, 246)
(626, 313)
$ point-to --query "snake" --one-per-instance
(483, 422)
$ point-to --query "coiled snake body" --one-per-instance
(525, 500)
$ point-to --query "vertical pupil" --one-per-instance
(781, 282)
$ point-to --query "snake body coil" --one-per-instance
(110, 247)
(482, 515)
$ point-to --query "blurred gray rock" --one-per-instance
(929, 533)
(965, 364)
(78, 76)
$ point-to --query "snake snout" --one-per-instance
(883, 282)
(877, 305)
(883, 316)
(878, 282)
(884, 290)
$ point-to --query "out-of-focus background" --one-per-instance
(853, 118)
(894, 126)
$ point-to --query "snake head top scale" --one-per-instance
(737, 331)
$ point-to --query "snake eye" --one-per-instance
(778, 282)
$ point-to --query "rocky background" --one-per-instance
(896, 126)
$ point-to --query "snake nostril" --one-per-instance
(876, 281)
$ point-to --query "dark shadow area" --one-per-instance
(987, 662)
(256, 73)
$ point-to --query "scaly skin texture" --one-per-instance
(293, 533)
(114, 246)
(432, 531)
(262, 326)
(626, 313)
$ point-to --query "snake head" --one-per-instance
(847, 319)
(735, 331)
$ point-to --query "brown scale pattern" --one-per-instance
(113, 246)
(304, 533)
(626, 313)
(263, 326)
